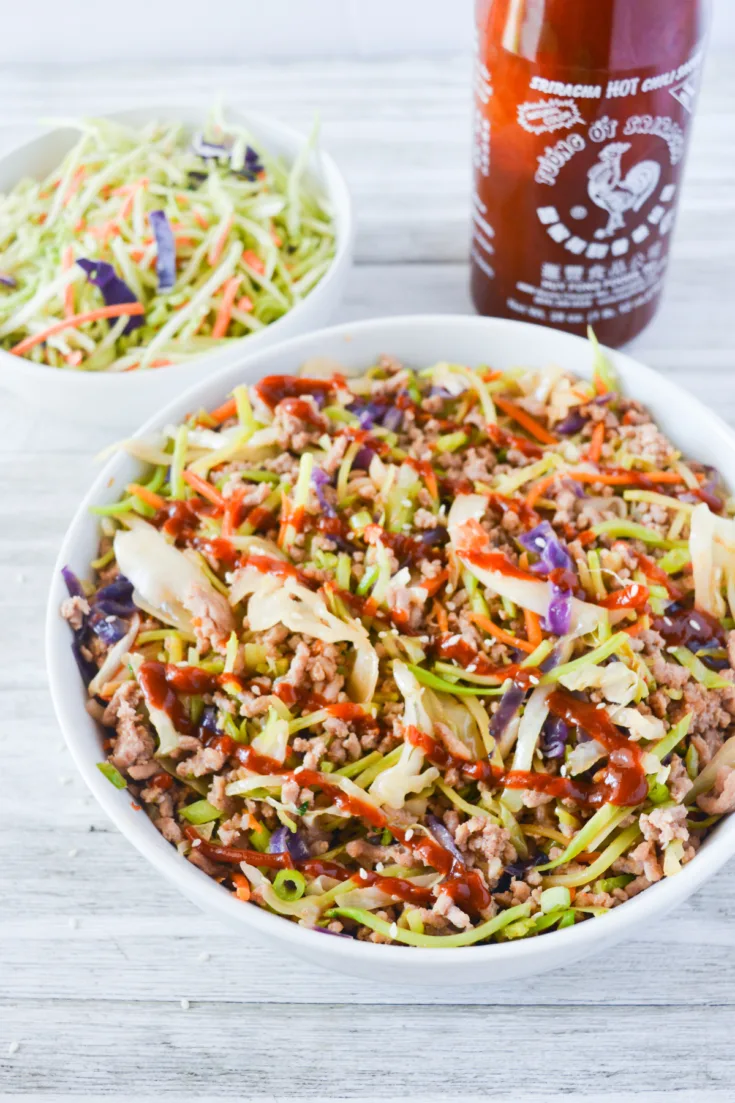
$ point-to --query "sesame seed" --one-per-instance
(196, 842)
(424, 639)
(406, 502)
(73, 922)
(407, 527)
(472, 668)
(452, 640)
(382, 635)
(73, 852)
(451, 606)
(185, 1005)
(393, 930)
(13, 1048)
(364, 874)
(409, 834)
(299, 769)
(255, 690)
(379, 867)
(204, 956)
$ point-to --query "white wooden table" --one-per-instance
(96, 952)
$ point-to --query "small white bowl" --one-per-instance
(124, 400)
(419, 341)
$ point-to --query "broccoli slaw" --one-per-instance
(145, 248)
(432, 657)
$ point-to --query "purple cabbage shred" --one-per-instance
(559, 617)
(320, 479)
(443, 836)
(284, 841)
(552, 553)
(115, 291)
(510, 702)
(554, 737)
(166, 249)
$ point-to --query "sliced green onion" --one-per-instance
(112, 774)
(201, 811)
(289, 884)
(631, 530)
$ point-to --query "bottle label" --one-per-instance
(589, 174)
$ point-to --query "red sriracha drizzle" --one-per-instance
(274, 388)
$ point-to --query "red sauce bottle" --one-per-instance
(583, 111)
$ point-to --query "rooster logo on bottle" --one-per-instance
(618, 194)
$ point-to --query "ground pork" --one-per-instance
(446, 907)
(294, 433)
(75, 609)
(206, 760)
(663, 825)
(480, 838)
(170, 829)
(679, 783)
(367, 854)
(314, 665)
(646, 440)
(211, 616)
(647, 861)
(722, 798)
(134, 745)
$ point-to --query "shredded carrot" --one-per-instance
(594, 452)
(638, 626)
(500, 634)
(66, 263)
(432, 585)
(441, 617)
(153, 364)
(252, 823)
(115, 311)
(196, 482)
(232, 510)
(224, 313)
(523, 560)
(587, 537)
(224, 412)
(146, 495)
(245, 304)
(74, 183)
(491, 376)
(74, 359)
(217, 247)
(587, 857)
(599, 384)
(105, 230)
(242, 889)
(200, 220)
(276, 239)
(130, 191)
(524, 419)
(537, 490)
(620, 479)
(253, 261)
(533, 628)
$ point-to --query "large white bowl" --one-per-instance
(124, 400)
(418, 341)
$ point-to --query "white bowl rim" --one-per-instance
(578, 940)
(335, 190)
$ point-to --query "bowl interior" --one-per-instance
(419, 341)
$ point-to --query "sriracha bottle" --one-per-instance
(583, 113)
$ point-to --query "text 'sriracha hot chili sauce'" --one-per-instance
(582, 119)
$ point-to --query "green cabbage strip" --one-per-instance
(631, 530)
(610, 854)
(701, 673)
(601, 367)
(435, 682)
(592, 658)
(597, 827)
(430, 941)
